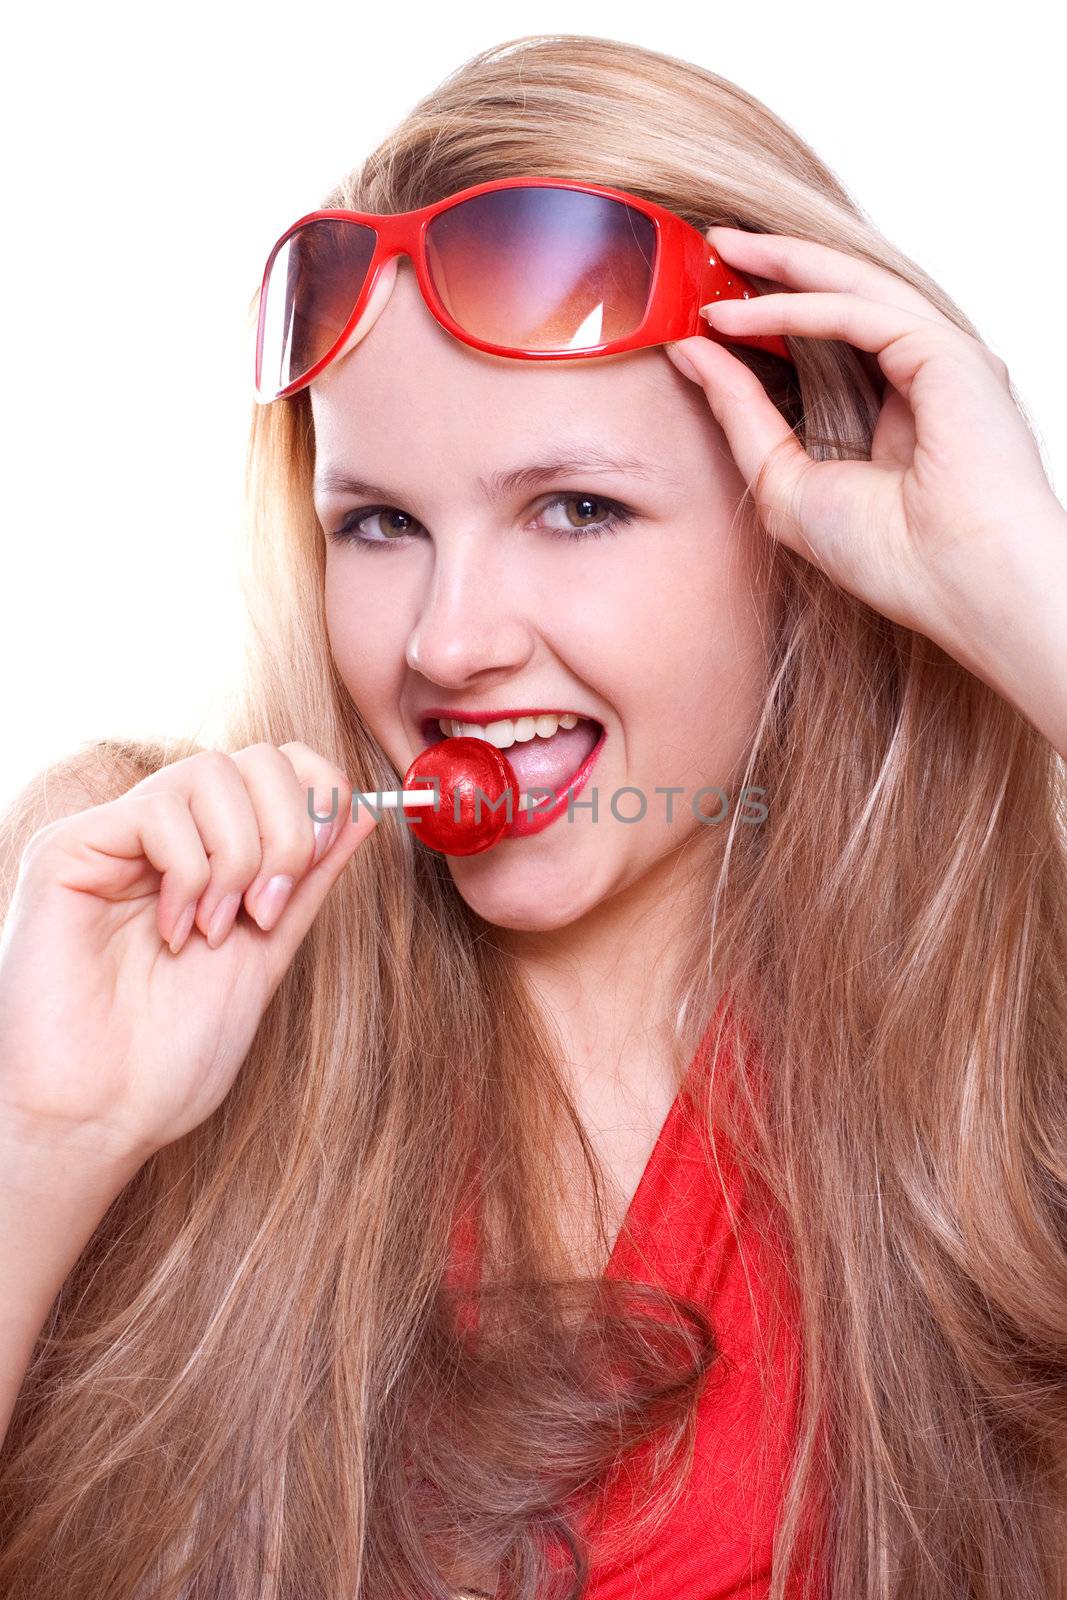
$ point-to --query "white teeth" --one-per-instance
(507, 731)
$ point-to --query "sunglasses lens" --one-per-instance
(312, 285)
(541, 268)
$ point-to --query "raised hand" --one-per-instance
(951, 527)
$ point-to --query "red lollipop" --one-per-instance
(473, 779)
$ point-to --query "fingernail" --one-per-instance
(221, 918)
(270, 902)
(181, 929)
(683, 363)
(325, 833)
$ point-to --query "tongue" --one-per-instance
(551, 763)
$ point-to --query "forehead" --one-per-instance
(409, 392)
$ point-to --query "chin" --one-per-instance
(534, 901)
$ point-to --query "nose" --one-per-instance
(472, 628)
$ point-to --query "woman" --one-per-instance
(749, 1116)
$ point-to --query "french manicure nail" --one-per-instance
(221, 918)
(683, 364)
(324, 832)
(181, 929)
(270, 902)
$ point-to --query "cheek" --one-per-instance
(676, 643)
(711, 656)
(367, 639)
(687, 596)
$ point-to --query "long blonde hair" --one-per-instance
(254, 1383)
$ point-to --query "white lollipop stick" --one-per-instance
(393, 799)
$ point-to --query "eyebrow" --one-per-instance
(498, 485)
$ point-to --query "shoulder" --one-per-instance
(95, 773)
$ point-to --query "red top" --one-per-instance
(716, 1542)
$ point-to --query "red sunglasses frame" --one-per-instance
(686, 274)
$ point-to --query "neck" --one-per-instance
(605, 981)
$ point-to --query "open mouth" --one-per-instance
(544, 749)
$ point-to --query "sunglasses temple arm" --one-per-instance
(719, 282)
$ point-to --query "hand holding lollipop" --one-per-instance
(161, 1034)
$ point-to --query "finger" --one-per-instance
(894, 438)
(327, 792)
(286, 843)
(806, 264)
(900, 341)
(868, 324)
(102, 851)
(300, 800)
(304, 903)
(230, 825)
(768, 454)
(229, 821)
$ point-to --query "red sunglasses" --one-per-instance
(540, 269)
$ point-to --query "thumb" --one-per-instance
(768, 454)
(304, 903)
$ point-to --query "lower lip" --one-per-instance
(544, 814)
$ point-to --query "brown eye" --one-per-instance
(393, 526)
(583, 502)
(592, 516)
(588, 519)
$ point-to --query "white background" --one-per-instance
(153, 154)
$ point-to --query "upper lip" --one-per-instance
(498, 714)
